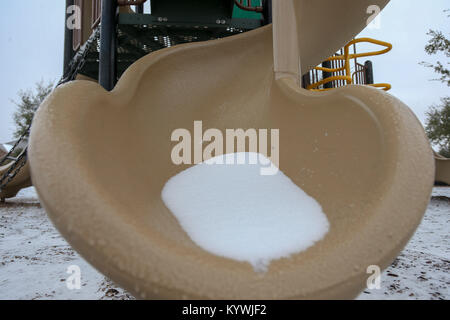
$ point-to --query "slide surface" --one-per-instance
(100, 159)
(442, 169)
(20, 181)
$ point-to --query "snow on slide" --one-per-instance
(233, 211)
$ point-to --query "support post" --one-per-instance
(140, 8)
(306, 80)
(327, 64)
(368, 74)
(108, 45)
(68, 39)
(267, 13)
(286, 51)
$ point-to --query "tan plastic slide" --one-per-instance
(99, 160)
(20, 181)
(442, 169)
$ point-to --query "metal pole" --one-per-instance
(325, 75)
(267, 11)
(368, 74)
(108, 44)
(306, 80)
(68, 39)
(140, 8)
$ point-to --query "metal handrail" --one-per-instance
(385, 86)
(371, 53)
(313, 86)
(346, 57)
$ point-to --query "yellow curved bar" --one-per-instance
(385, 86)
(365, 54)
(368, 54)
(347, 57)
(334, 58)
(329, 69)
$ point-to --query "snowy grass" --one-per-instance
(422, 270)
(34, 258)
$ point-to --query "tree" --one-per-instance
(438, 126)
(29, 102)
(438, 116)
(438, 43)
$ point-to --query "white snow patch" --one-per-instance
(233, 211)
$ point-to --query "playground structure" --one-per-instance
(128, 36)
(442, 169)
(138, 34)
(362, 146)
(336, 70)
(21, 179)
(14, 169)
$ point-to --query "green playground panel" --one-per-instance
(239, 13)
(178, 10)
(140, 34)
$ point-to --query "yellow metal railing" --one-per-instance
(348, 77)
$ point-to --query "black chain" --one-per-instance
(78, 62)
(11, 151)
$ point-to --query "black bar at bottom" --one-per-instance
(231, 310)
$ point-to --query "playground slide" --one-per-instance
(442, 169)
(100, 159)
(20, 181)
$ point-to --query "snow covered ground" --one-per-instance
(422, 270)
(34, 258)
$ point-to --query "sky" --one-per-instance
(32, 38)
